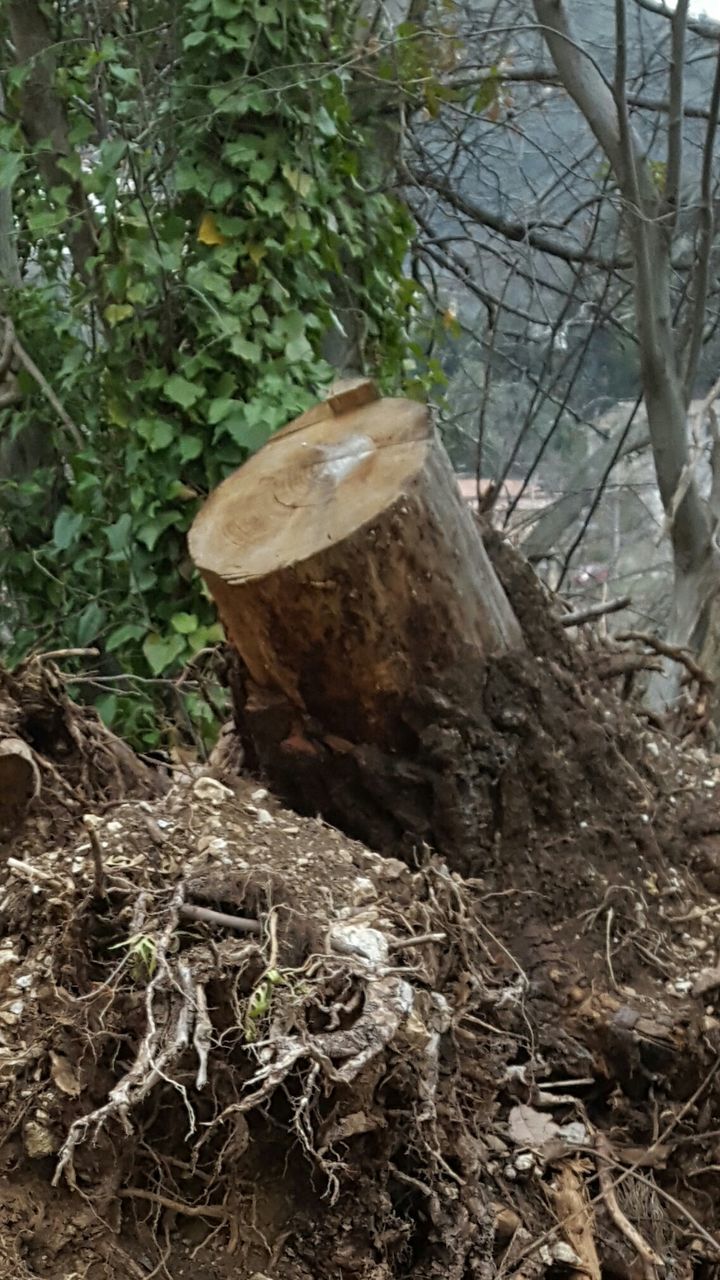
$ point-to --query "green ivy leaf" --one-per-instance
(325, 123)
(219, 409)
(161, 651)
(190, 447)
(300, 182)
(158, 433)
(184, 623)
(149, 532)
(195, 38)
(90, 622)
(227, 8)
(246, 350)
(250, 436)
(118, 534)
(299, 349)
(11, 166)
(66, 528)
(122, 635)
(182, 392)
(107, 708)
(117, 312)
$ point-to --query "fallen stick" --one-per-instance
(595, 611)
(189, 911)
(676, 652)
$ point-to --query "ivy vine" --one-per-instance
(180, 253)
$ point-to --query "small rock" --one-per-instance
(38, 1140)
(211, 790)
(352, 939)
(390, 869)
(209, 843)
(707, 980)
(364, 890)
(11, 1016)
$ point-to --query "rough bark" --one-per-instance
(44, 123)
(354, 584)
(9, 263)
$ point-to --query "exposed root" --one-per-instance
(650, 1260)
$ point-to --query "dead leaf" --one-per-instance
(530, 1128)
(63, 1075)
(208, 231)
(256, 252)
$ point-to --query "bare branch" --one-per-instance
(606, 113)
(675, 122)
(702, 26)
(514, 231)
(594, 611)
(691, 343)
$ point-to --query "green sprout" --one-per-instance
(142, 955)
(260, 1001)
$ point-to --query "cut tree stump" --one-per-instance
(352, 580)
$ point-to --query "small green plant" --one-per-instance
(260, 1003)
(141, 954)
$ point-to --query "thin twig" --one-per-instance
(608, 954)
(53, 654)
(39, 377)
(595, 611)
(399, 944)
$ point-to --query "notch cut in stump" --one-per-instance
(353, 582)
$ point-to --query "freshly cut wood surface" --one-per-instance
(344, 562)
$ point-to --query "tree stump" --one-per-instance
(352, 580)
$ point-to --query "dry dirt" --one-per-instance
(235, 1042)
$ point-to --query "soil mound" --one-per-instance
(236, 1042)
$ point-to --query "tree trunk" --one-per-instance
(666, 363)
(43, 120)
(354, 584)
(9, 262)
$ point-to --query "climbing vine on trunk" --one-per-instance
(184, 199)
